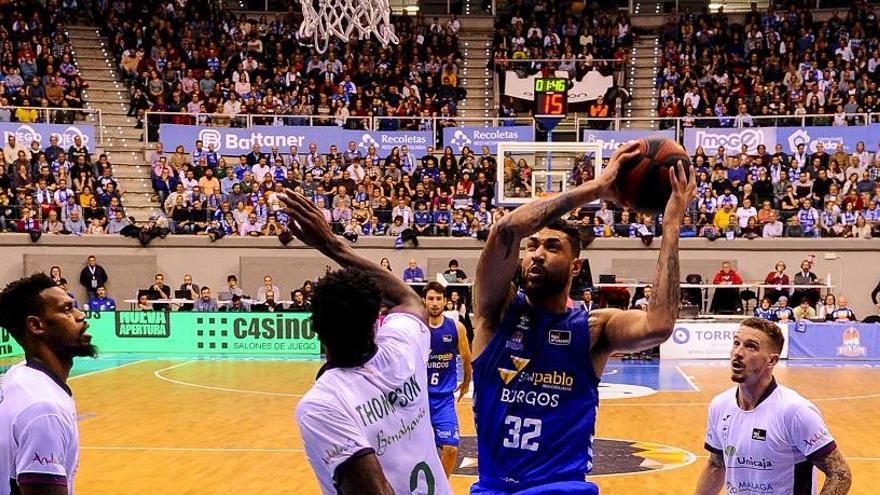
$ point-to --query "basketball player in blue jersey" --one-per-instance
(448, 341)
(537, 363)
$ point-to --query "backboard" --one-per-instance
(530, 170)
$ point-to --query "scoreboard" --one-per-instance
(551, 98)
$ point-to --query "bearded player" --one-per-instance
(448, 341)
(537, 363)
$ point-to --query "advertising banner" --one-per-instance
(829, 136)
(789, 137)
(840, 341)
(611, 140)
(185, 333)
(477, 137)
(236, 141)
(732, 139)
(706, 341)
(8, 347)
(25, 133)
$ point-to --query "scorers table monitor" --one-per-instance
(551, 98)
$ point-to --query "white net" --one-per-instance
(324, 19)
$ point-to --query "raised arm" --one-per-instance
(497, 266)
(307, 223)
(635, 330)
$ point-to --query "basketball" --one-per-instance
(643, 181)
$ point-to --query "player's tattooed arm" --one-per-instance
(837, 474)
(712, 478)
(636, 330)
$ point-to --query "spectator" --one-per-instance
(413, 272)
(101, 302)
(804, 311)
(726, 300)
(74, 225)
(266, 287)
(784, 313)
(268, 305)
(232, 286)
(117, 223)
(454, 273)
(236, 305)
(643, 302)
(806, 277)
(52, 225)
(776, 277)
(143, 303)
(93, 276)
(842, 313)
(299, 302)
(765, 310)
(773, 227)
(824, 309)
(587, 300)
(205, 303)
(160, 290)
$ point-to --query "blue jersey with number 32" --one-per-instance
(536, 396)
(442, 378)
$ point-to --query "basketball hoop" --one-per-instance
(323, 19)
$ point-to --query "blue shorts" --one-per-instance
(444, 420)
(557, 488)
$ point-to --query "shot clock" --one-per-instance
(551, 98)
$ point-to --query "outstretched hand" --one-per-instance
(306, 222)
(684, 186)
(606, 179)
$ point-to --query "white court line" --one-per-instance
(689, 379)
(856, 459)
(90, 373)
(158, 374)
(673, 404)
(185, 449)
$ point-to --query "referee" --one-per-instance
(39, 440)
(764, 438)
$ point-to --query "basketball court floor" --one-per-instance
(190, 426)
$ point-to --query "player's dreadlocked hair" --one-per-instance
(21, 299)
(345, 307)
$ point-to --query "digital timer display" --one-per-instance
(551, 85)
(551, 97)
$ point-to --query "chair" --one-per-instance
(747, 296)
(694, 296)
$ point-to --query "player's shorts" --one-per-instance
(444, 420)
(558, 488)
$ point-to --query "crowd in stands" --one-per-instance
(360, 192)
(37, 66)
(777, 63)
(767, 195)
(547, 36)
(199, 57)
(49, 189)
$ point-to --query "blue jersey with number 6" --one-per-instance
(536, 396)
(442, 378)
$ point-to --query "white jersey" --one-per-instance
(768, 450)
(39, 440)
(380, 407)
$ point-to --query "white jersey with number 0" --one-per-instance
(39, 440)
(768, 450)
(380, 407)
